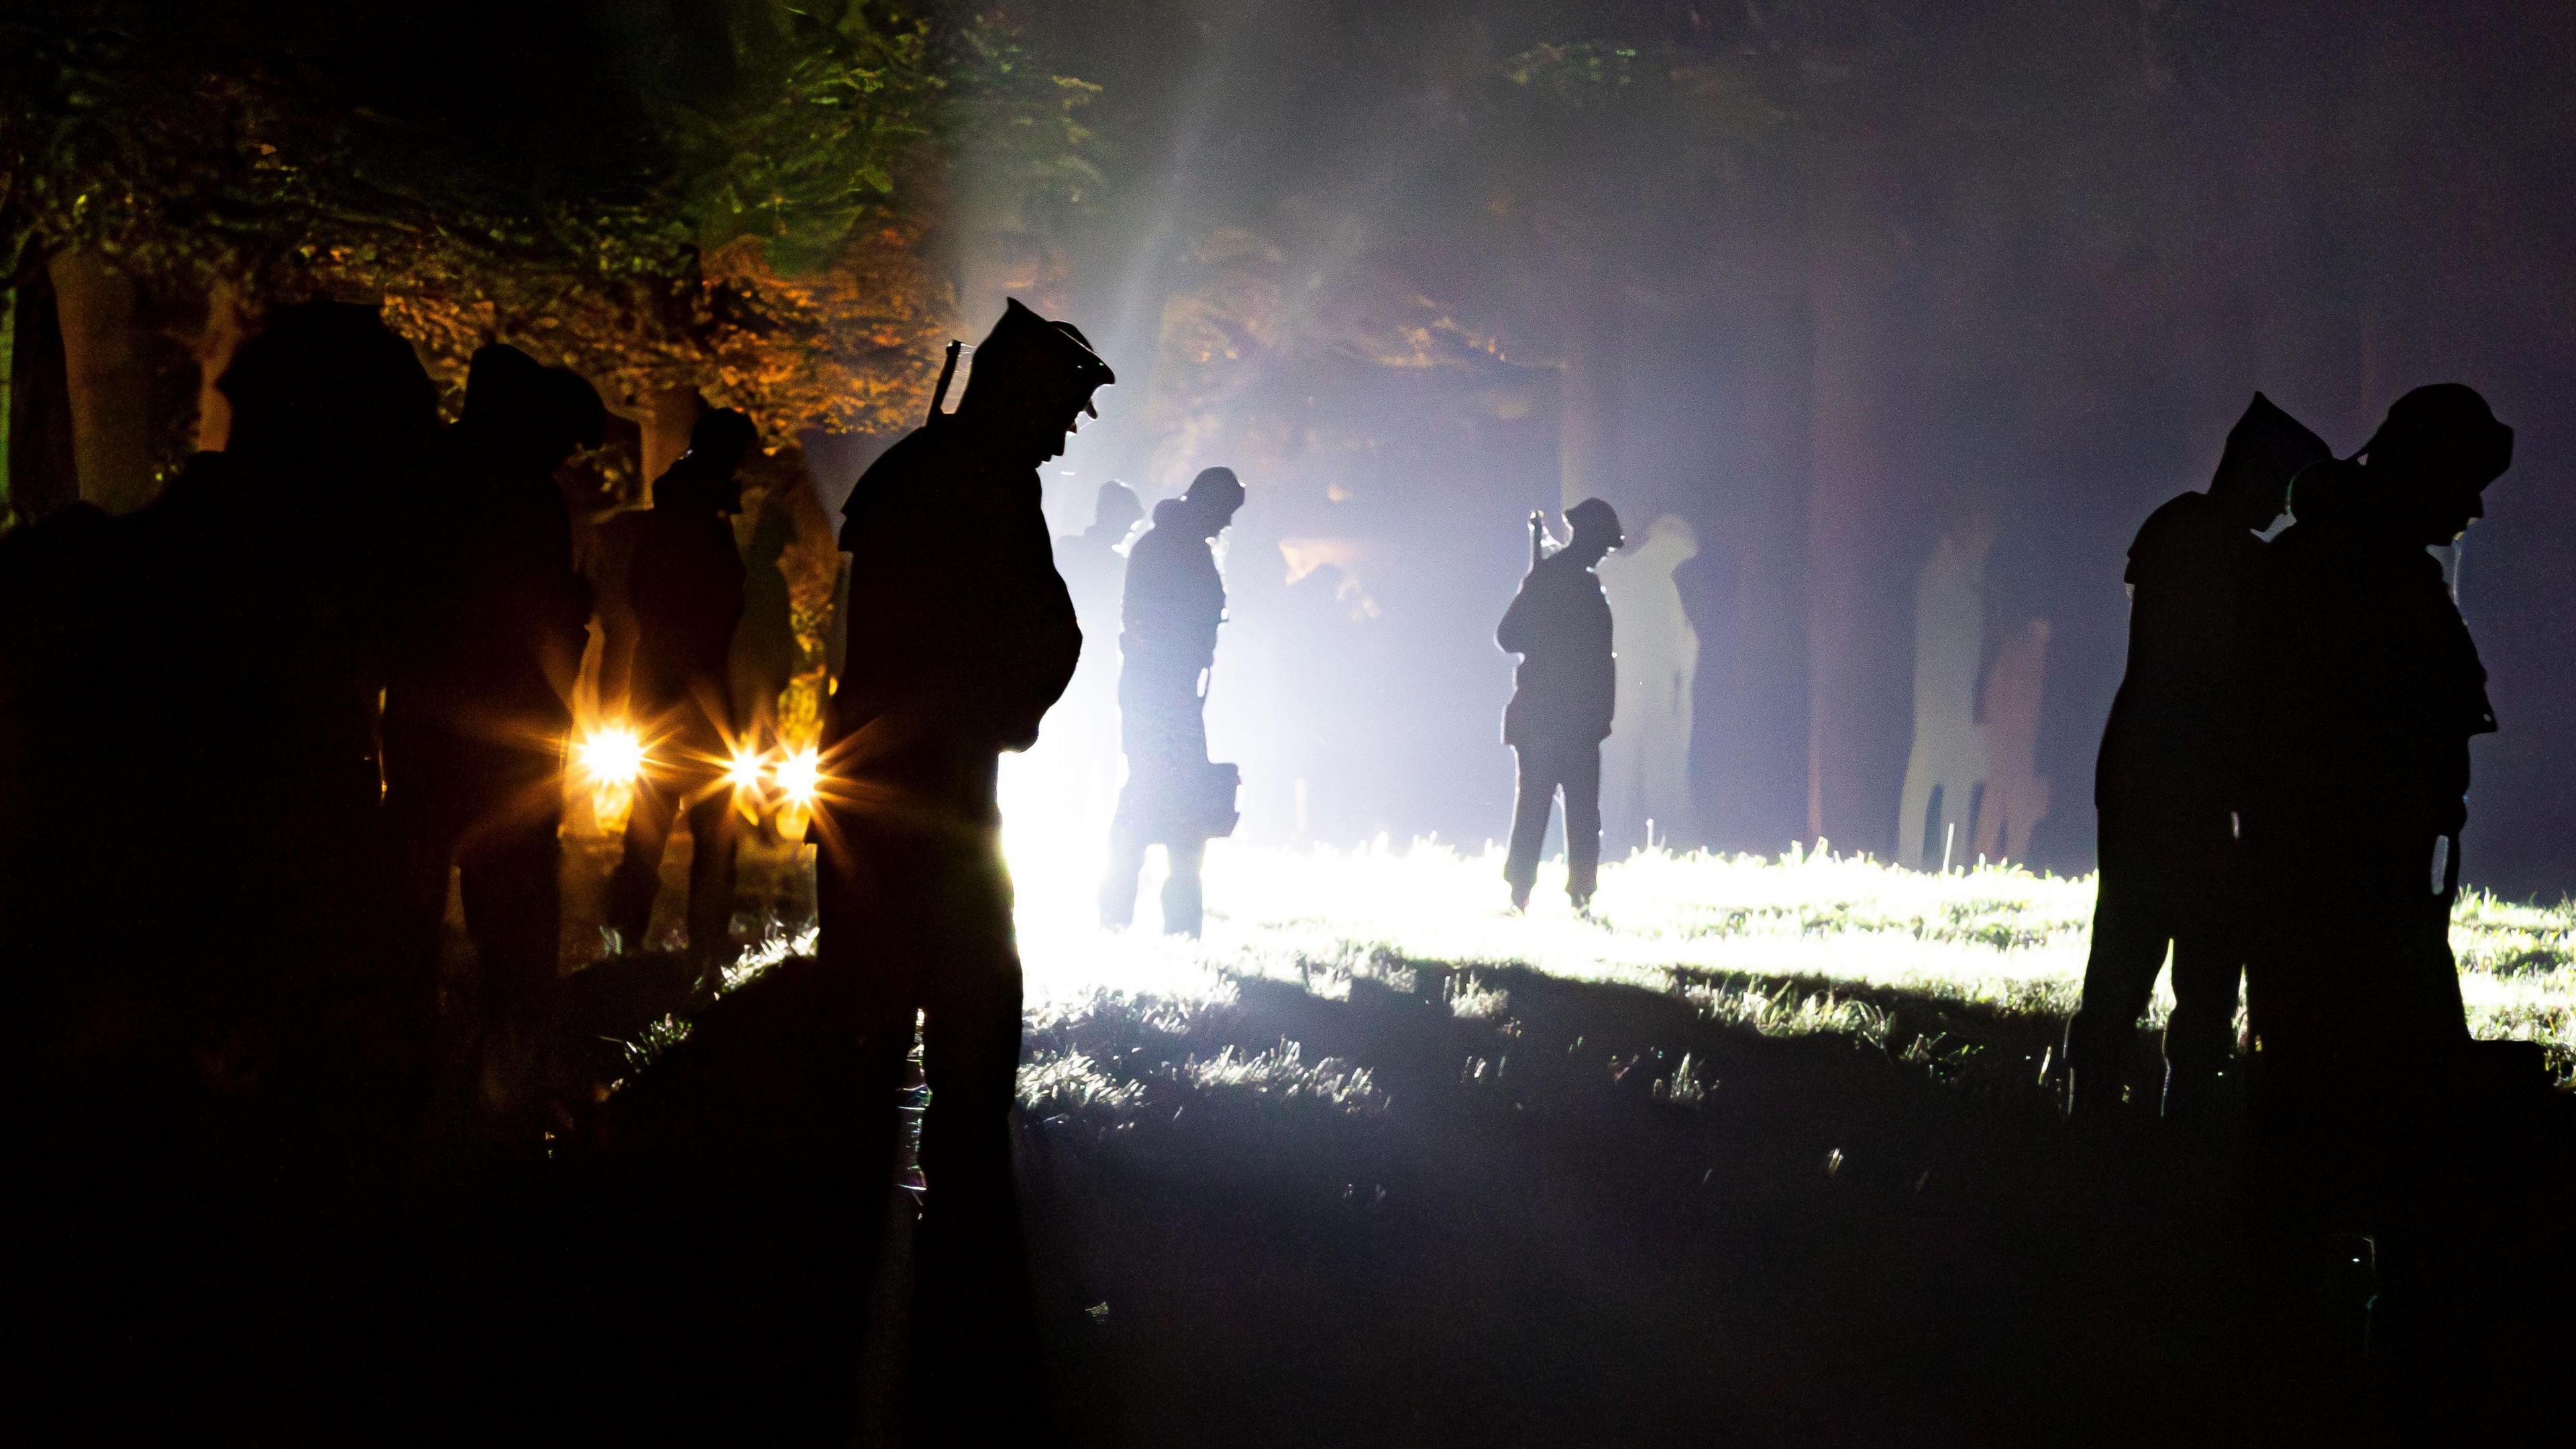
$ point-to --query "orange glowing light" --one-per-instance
(613, 756)
(744, 770)
(799, 777)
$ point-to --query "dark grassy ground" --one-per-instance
(1835, 1244)
(1504, 1234)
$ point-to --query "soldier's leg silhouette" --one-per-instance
(713, 838)
(921, 917)
(1580, 777)
(637, 881)
(1530, 807)
(1126, 861)
(509, 879)
(2130, 935)
(1164, 734)
(2200, 1037)
(1183, 907)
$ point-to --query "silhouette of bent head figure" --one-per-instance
(1032, 383)
(527, 416)
(723, 438)
(704, 478)
(1211, 500)
(1115, 513)
(2434, 455)
(1596, 531)
(2265, 450)
(327, 385)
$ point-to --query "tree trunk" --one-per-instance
(216, 343)
(1863, 545)
(8, 392)
(1760, 728)
(110, 384)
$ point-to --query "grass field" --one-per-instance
(1797, 944)
(1762, 1152)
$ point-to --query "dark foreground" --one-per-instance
(1513, 1238)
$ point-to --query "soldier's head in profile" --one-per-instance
(2434, 456)
(1032, 383)
(1212, 500)
(527, 415)
(2265, 450)
(1596, 531)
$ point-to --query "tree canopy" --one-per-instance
(735, 197)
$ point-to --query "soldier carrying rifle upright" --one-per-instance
(961, 637)
(1565, 696)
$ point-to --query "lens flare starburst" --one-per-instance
(613, 757)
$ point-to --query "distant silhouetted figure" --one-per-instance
(2363, 692)
(960, 637)
(684, 590)
(477, 720)
(1094, 561)
(1174, 797)
(1565, 694)
(1082, 731)
(2168, 779)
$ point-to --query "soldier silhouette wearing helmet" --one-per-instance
(960, 637)
(2166, 784)
(2363, 692)
(1175, 797)
(1093, 561)
(2374, 1110)
(684, 590)
(1564, 696)
(1082, 730)
(477, 716)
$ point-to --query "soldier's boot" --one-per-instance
(2095, 1087)
(2196, 1088)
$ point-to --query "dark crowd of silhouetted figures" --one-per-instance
(250, 735)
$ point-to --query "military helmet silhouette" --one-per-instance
(1593, 518)
(724, 434)
(2449, 418)
(1116, 507)
(1217, 487)
(1026, 354)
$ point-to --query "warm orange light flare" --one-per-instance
(744, 770)
(799, 777)
(612, 756)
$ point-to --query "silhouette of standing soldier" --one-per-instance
(684, 590)
(1083, 728)
(1174, 796)
(2363, 692)
(1090, 560)
(476, 722)
(1564, 696)
(2166, 781)
(960, 637)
